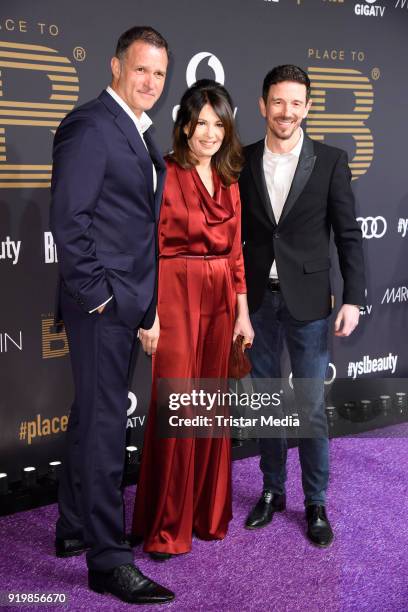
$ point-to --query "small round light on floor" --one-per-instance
(366, 410)
(3, 483)
(29, 477)
(401, 403)
(385, 404)
(54, 470)
(332, 417)
(132, 457)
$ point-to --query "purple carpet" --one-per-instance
(366, 568)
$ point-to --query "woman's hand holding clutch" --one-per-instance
(243, 325)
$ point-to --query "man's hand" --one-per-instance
(150, 337)
(346, 320)
(101, 309)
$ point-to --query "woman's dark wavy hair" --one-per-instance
(228, 160)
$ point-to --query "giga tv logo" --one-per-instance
(60, 96)
(320, 122)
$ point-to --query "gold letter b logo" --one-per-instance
(48, 114)
(320, 122)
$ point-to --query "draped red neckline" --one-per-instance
(215, 208)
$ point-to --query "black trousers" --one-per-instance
(90, 495)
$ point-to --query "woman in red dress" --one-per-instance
(185, 484)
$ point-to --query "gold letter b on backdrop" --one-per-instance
(320, 122)
(61, 94)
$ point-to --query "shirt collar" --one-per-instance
(143, 123)
(295, 151)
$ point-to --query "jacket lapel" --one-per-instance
(160, 166)
(129, 130)
(256, 164)
(302, 174)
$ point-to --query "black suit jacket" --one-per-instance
(104, 211)
(320, 200)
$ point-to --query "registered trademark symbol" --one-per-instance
(79, 54)
(375, 73)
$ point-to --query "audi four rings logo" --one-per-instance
(372, 227)
(330, 375)
(213, 62)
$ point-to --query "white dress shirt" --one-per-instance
(142, 125)
(279, 170)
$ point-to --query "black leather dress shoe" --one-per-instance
(129, 584)
(319, 530)
(160, 556)
(262, 513)
(69, 548)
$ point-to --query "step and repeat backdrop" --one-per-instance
(54, 56)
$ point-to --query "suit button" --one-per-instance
(276, 235)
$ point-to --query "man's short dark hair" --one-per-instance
(143, 33)
(286, 72)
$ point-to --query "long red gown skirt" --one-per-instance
(185, 484)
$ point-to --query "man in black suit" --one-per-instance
(106, 191)
(295, 192)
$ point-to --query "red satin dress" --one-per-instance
(185, 484)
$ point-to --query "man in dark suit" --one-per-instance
(106, 191)
(295, 192)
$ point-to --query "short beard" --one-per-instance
(286, 136)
